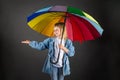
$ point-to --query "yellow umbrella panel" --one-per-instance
(44, 23)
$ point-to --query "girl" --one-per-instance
(60, 49)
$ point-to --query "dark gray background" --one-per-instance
(94, 60)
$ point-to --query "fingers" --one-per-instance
(61, 46)
(26, 41)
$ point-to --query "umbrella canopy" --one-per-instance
(79, 25)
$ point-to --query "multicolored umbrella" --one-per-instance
(79, 25)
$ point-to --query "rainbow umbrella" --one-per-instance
(79, 25)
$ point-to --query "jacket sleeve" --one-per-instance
(70, 48)
(40, 45)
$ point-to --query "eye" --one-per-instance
(55, 29)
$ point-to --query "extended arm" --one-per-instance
(37, 45)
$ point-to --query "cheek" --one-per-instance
(59, 32)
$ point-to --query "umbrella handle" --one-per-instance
(53, 56)
(58, 55)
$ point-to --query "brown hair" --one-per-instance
(62, 27)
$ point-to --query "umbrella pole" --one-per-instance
(60, 43)
(63, 30)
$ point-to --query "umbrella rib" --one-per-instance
(52, 15)
(47, 25)
(77, 25)
(89, 27)
(42, 20)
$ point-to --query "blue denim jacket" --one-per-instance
(48, 44)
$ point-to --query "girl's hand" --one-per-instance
(63, 48)
(26, 41)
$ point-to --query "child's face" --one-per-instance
(57, 31)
